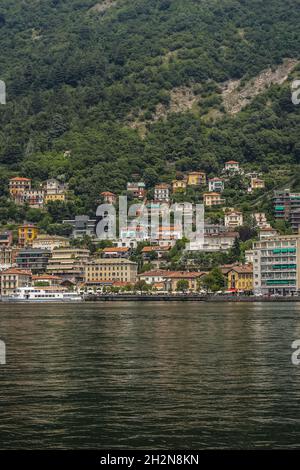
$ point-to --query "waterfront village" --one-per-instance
(242, 254)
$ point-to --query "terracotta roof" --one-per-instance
(17, 178)
(122, 249)
(107, 193)
(233, 212)
(155, 273)
(212, 194)
(231, 162)
(244, 269)
(197, 173)
(215, 179)
(162, 186)
(16, 271)
(45, 276)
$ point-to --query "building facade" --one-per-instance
(232, 166)
(12, 279)
(212, 199)
(233, 219)
(240, 279)
(216, 185)
(162, 193)
(276, 265)
(179, 186)
(137, 190)
(82, 226)
(68, 263)
(196, 178)
(26, 234)
(54, 190)
(99, 271)
(33, 259)
(49, 242)
(6, 238)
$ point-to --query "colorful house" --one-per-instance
(196, 178)
(232, 166)
(216, 185)
(26, 234)
(212, 199)
(240, 278)
(179, 186)
(108, 197)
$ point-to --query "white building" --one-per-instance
(234, 219)
(232, 166)
(215, 185)
(276, 266)
(162, 192)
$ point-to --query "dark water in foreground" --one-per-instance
(151, 376)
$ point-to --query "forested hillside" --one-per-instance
(79, 73)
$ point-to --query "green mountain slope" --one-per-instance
(78, 72)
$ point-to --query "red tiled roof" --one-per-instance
(107, 193)
(122, 249)
(45, 276)
(231, 162)
(155, 273)
(16, 271)
(17, 178)
(243, 269)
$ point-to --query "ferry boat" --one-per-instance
(32, 294)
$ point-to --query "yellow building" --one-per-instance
(55, 197)
(49, 242)
(178, 186)
(54, 190)
(196, 178)
(240, 278)
(212, 199)
(26, 234)
(193, 278)
(99, 271)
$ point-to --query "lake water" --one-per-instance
(149, 376)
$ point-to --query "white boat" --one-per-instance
(33, 294)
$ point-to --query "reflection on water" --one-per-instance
(152, 376)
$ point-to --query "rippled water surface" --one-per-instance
(142, 375)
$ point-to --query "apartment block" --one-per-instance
(82, 226)
(33, 259)
(276, 265)
(68, 263)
